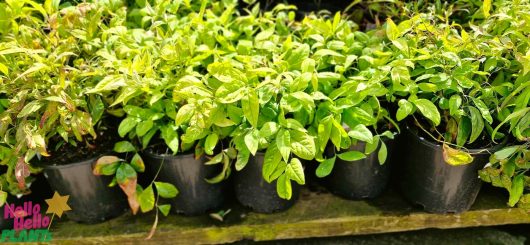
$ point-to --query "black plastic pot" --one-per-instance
(360, 179)
(196, 196)
(91, 200)
(254, 192)
(426, 179)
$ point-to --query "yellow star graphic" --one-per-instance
(58, 204)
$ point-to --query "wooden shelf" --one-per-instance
(316, 214)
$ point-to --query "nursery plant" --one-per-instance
(45, 77)
(166, 101)
(508, 167)
(445, 75)
(51, 121)
(344, 60)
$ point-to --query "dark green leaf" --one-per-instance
(477, 124)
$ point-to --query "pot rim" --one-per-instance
(432, 144)
(75, 164)
(168, 156)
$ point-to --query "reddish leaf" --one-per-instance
(129, 188)
(21, 172)
(102, 161)
(44, 118)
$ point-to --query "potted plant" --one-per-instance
(49, 70)
(350, 100)
(440, 81)
(266, 100)
(508, 167)
(169, 107)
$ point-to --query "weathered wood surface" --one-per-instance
(314, 215)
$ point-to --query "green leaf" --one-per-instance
(302, 145)
(483, 110)
(324, 132)
(242, 159)
(295, 171)
(382, 154)
(106, 165)
(166, 190)
(143, 127)
(268, 129)
(270, 161)
(124, 146)
(127, 125)
(325, 167)
(280, 169)
(210, 143)
(184, 114)
(171, 138)
(215, 160)
(351, 156)
(464, 130)
(3, 198)
(429, 110)
(486, 7)
(252, 141)
(392, 31)
(454, 104)
(283, 187)
(477, 124)
(164, 209)
(405, 108)
(371, 147)
(362, 133)
(124, 173)
(516, 190)
(283, 141)
(456, 157)
(230, 93)
(250, 106)
(505, 152)
(31, 107)
(138, 163)
(147, 199)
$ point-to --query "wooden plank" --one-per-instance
(314, 215)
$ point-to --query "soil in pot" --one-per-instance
(426, 179)
(361, 179)
(254, 192)
(69, 172)
(196, 196)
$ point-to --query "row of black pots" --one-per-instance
(424, 178)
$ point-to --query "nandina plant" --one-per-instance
(508, 167)
(46, 68)
(448, 81)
